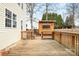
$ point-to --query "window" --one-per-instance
(8, 22)
(8, 18)
(22, 6)
(46, 26)
(8, 14)
(19, 4)
(14, 20)
(21, 24)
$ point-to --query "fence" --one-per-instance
(28, 34)
(69, 38)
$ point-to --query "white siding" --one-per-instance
(10, 35)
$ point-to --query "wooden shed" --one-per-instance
(46, 27)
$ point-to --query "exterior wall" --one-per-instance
(25, 17)
(68, 39)
(40, 28)
(10, 35)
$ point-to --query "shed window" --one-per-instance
(46, 26)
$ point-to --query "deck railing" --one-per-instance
(28, 34)
(69, 38)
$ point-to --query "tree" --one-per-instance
(46, 11)
(44, 17)
(59, 21)
(69, 22)
(54, 8)
(53, 16)
(30, 9)
(72, 9)
(49, 17)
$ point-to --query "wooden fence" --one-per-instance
(69, 38)
(28, 34)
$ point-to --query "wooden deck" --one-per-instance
(39, 47)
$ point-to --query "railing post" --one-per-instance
(60, 37)
(53, 35)
(77, 45)
(21, 35)
(41, 35)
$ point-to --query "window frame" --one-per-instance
(14, 20)
(8, 16)
(10, 19)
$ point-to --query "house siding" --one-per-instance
(10, 35)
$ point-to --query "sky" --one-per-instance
(61, 10)
(40, 9)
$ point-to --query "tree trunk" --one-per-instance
(46, 11)
(73, 16)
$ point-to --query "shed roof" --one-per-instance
(47, 21)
